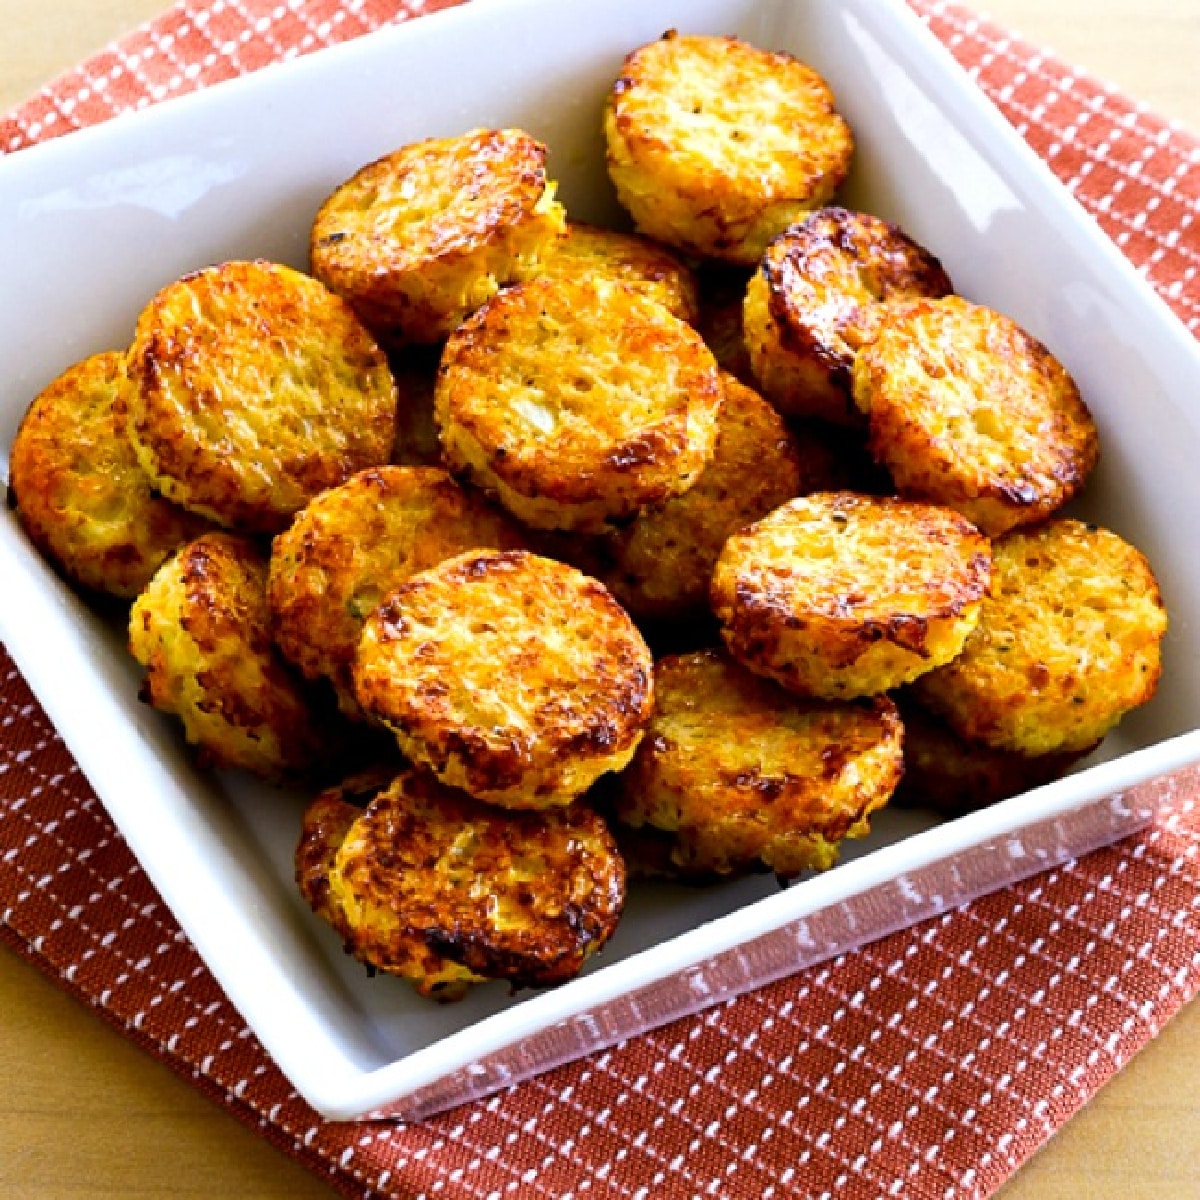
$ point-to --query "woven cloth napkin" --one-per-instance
(931, 1063)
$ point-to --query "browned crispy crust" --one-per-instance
(324, 827)
(818, 297)
(431, 885)
(423, 236)
(742, 774)
(511, 676)
(838, 594)
(353, 544)
(254, 389)
(577, 402)
(715, 146)
(79, 492)
(966, 408)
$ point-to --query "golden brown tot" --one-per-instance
(818, 297)
(952, 776)
(624, 258)
(79, 492)
(716, 146)
(202, 631)
(660, 564)
(966, 408)
(511, 676)
(1068, 642)
(577, 402)
(430, 885)
(422, 237)
(739, 773)
(838, 594)
(353, 544)
(254, 388)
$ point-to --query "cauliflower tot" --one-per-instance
(511, 676)
(202, 631)
(967, 409)
(79, 492)
(818, 297)
(660, 564)
(838, 594)
(427, 884)
(419, 239)
(624, 258)
(253, 389)
(353, 544)
(741, 774)
(951, 776)
(1068, 642)
(715, 146)
(577, 402)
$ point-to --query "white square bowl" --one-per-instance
(91, 225)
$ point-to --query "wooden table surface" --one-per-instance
(85, 1114)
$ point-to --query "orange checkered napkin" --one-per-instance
(930, 1063)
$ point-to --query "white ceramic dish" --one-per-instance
(92, 225)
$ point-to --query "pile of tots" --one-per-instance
(546, 554)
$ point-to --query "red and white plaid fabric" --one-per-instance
(931, 1063)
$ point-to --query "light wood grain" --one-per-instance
(84, 1113)
(87, 1115)
(42, 38)
(1149, 49)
